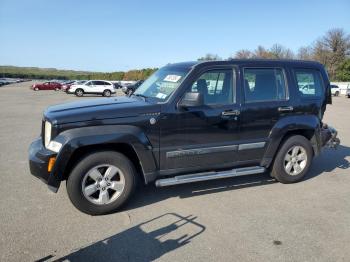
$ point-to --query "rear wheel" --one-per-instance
(36, 89)
(293, 160)
(57, 89)
(336, 93)
(107, 93)
(101, 182)
(79, 92)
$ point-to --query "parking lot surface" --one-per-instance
(251, 218)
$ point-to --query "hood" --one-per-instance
(99, 109)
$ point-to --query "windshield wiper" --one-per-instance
(140, 95)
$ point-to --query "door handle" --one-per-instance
(231, 113)
(285, 109)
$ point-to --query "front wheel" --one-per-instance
(293, 160)
(101, 182)
(337, 93)
(79, 92)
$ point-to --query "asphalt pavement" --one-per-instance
(252, 218)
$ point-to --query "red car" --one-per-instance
(47, 86)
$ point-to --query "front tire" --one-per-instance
(293, 160)
(101, 182)
(79, 92)
(337, 93)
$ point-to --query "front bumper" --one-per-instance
(38, 162)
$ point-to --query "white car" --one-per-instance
(335, 90)
(100, 87)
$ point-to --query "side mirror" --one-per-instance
(191, 99)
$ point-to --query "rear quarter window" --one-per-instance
(310, 84)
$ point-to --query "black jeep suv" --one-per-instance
(188, 122)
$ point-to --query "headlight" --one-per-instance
(47, 135)
(51, 145)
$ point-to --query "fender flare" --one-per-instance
(76, 138)
(292, 124)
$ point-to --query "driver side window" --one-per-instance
(216, 86)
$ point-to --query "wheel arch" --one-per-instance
(128, 140)
(307, 126)
(123, 148)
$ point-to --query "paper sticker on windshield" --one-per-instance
(172, 78)
(161, 95)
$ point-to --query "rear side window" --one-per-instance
(264, 84)
(309, 82)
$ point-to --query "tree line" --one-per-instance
(332, 50)
(52, 73)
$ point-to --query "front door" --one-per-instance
(204, 136)
(90, 87)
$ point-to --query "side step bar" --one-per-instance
(183, 179)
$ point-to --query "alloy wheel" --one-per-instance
(103, 184)
(295, 160)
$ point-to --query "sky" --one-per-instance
(118, 35)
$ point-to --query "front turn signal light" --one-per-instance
(52, 161)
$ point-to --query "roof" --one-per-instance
(265, 62)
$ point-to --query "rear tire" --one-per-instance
(293, 160)
(57, 89)
(107, 93)
(79, 92)
(36, 89)
(84, 176)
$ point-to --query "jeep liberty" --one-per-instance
(188, 122)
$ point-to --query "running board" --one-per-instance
(184, 179)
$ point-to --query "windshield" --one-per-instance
(162, 83)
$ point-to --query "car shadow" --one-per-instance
(326, 162)
(146, 241)
(150, 194)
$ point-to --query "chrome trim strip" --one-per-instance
(201, 151)
(251, 145)
(190, 178)
(216, 149)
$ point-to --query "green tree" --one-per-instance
(343, 72)
(209, 57)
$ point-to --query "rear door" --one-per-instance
(266, 100)
(106, 85)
